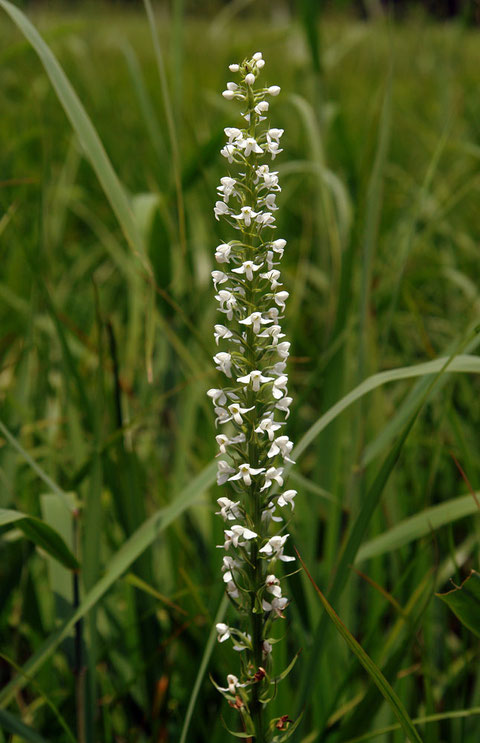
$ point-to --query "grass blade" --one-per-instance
(356, 532)
(418, 526)
(171, 125)
(462, 363)
(373, 671)
(36, 467)
(41, 534)
(453, 715)
(118, 564)
(203, 667)
(10, 724)
(86, 132)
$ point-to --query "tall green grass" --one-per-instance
(106, 189)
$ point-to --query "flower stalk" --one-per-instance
(252, 406)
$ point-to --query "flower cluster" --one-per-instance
(253, 404)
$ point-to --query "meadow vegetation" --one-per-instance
(106, 316)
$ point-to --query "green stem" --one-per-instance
(257, 577)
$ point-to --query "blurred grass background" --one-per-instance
(380, 198)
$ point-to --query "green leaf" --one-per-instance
(453, 715)
(60, 518)
(464, 601)
(353, 539)
(287, 670)
(203, 667)
(85, 131)
(36, 467)
(237, 735)
(41, 534)
(10, 724)
(461, 363)
(418, 526)
(118, 564)
(373, 671)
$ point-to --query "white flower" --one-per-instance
(219, 277)
(278, 249)
(224, 471)
(237, 532)
(230, 563)
(269, 260)
(274, 331)
(269, 202)
(250, 145)
(279, 387)
(227, 302)
(229, 150)
(222, 442)
(256, 378)
(227, 188)
(236, 412)
(222, 416)
(274, 548)
(232, 590)
(246, 215)
(274, 134)
(261, 108)
(273, 586)
(222, 253)
(224, 363)
(271, 276)
(220, 209)
(233, 134)
(270, 178)
(229, 510)
(287, 497)
(247, 267)
(273, 148)
(277, 605)
(280, 299)
(233, 684)
(259, 306)
(283, 350)
(223, 631)
(273, 474)
(282, 446)
(273, 313)
(256, 321)
(268, 514)
(265, 219)
(218, 397)
(268, 426)
(222, 332)
(244, 473)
